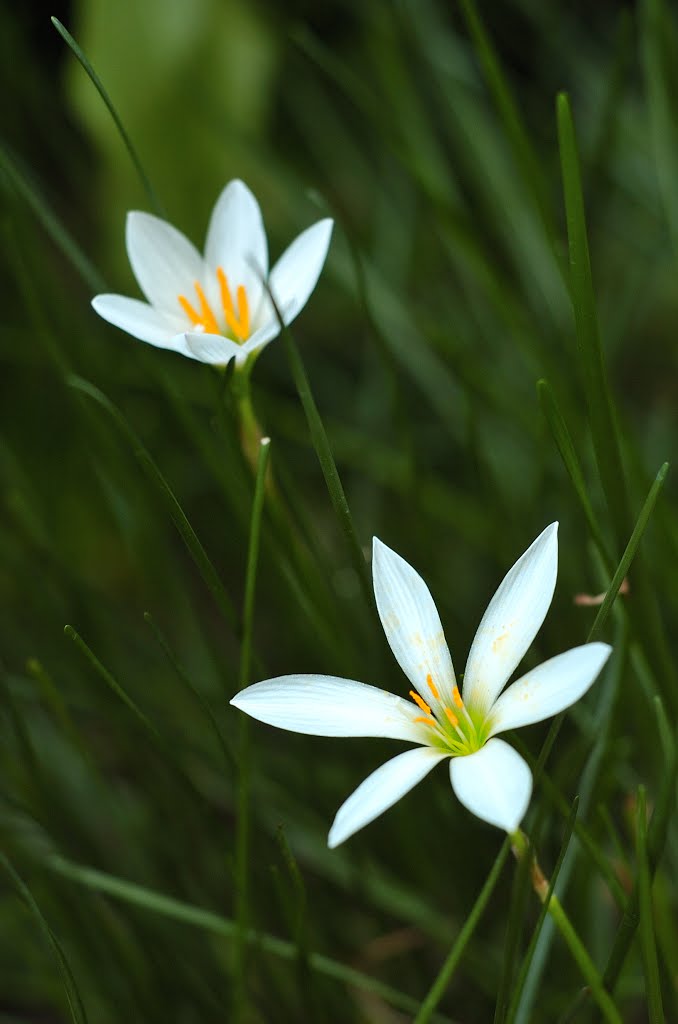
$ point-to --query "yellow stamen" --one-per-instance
(432, 686)
(238, 323)
(188, 310)
(243, 310)
(205, 317)
(452, 718)
(425, 718)
(421, 704)
(456, 697)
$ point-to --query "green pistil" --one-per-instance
(475, 733)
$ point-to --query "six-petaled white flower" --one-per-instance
(215, 308)
(489, 777)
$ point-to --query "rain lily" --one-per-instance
(489, 777)
(215, 308)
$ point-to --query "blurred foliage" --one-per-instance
(446, 296)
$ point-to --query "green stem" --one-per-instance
(250, 431)
(542, 887)
(243, 820)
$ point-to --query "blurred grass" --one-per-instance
(431, 136)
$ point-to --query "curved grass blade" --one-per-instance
(324, 452)
(179, 518)
(110, 681)
(99, 86)
(177, 910)
(193, 690)
(629, 553)
(75, 1003)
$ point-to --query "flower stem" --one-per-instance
(541, 885)
(243, 818)
(250, 431)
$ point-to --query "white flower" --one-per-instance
(489, 777)
(214, 308)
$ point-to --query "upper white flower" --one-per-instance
(214, 308)
(489, 777)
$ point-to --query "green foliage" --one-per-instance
(490, 347)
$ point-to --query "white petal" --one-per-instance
(381, 790)
(261, 337)
(550, 688)
(214, 349)
(494, 784)
(296, 273)
(512, 620)
(164, 262)
(412, 626)
(328, 706)
(141, 321)
(236, 241)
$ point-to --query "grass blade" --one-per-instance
(99, 86)
(158, 903)
(75, 1004)
(629, 552)
(110, 681)
(193, 690)
(324, 452)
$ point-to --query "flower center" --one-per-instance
(236, 315)
(453, 728)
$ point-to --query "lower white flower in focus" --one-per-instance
(215, 307)
(489, 777)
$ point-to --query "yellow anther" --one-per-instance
(205, 317)
(421, 704)
(456, 697)
(239, 323)
(432, 686)
(452, 718)
(425, 718)
(243, 311)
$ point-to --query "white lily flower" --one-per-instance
(489, 777)
(215, 308)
